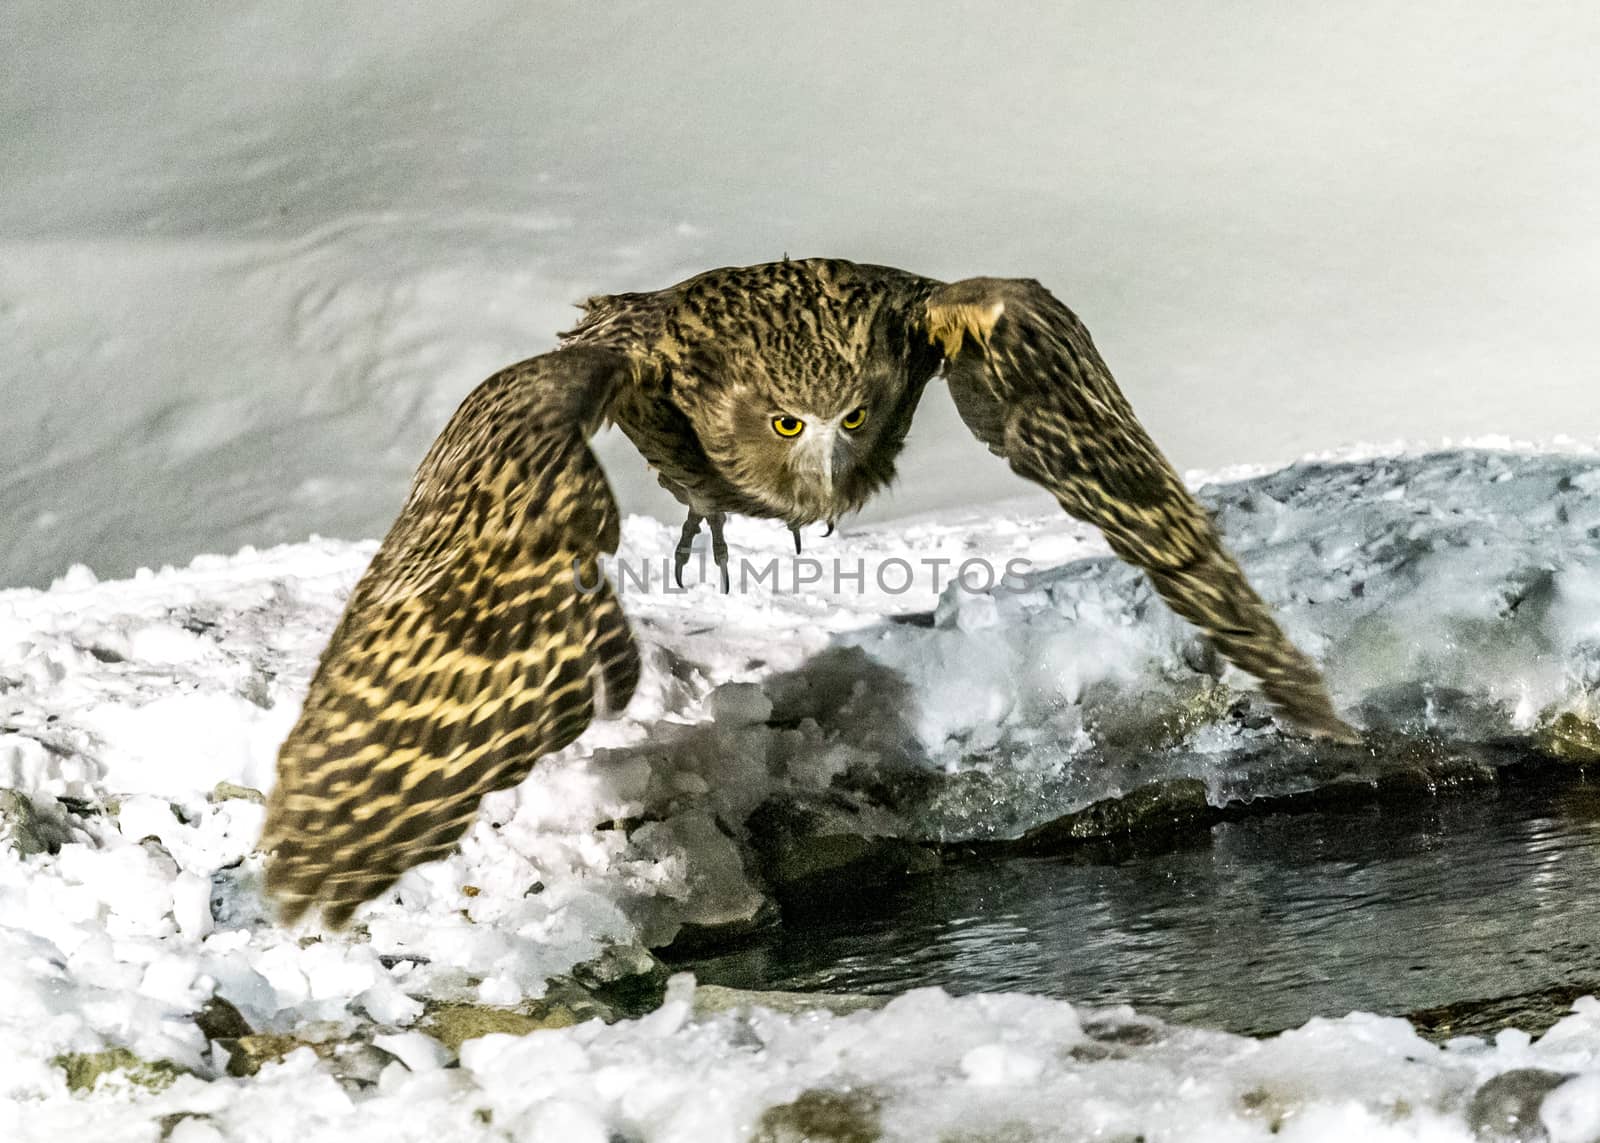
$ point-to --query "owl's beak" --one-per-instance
(826, 454)
(818, 457)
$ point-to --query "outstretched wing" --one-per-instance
(1028, 382)
(474, 643)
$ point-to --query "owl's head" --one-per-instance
(805, 375)
(813, 446)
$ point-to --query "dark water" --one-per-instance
(1258, 926)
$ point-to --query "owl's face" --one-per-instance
(816, 451)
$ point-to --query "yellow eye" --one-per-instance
(855, 418)
(787, 426)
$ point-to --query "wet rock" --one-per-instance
(454, 1024)
(990, 802)
(85, 1069)
(1506, 1108)
(566, 997)
(1389, 764)
(359, 1064)
(563, 1005)
(1437, 776)
(1569, 737)
(1532, 1012)
(220, 1020)
(84, 808)
(626, 978)
(714, 999)
(812, 849)
(1114, 1036)
(25, 829)
(1271, 1108)
(188, 1127)
(228, 791)
(690, 939)
(1127, 1032)
(801, 862)
(1153, 726)
(821, 1117)
(247, 1054)
(1160, 807)
(355, 1062)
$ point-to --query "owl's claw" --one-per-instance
(796, 533)
(829, 532)
(680, 554)
(719, 547)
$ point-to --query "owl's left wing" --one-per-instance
(1029, 383)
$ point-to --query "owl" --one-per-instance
(483, 636)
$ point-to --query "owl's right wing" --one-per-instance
(475, 643)
(1029, 383)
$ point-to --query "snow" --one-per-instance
(926, 1066)
(1450, 594)
(251, 259)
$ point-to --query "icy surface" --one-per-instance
(251, 258)
(1455, 594)
(926, 1067)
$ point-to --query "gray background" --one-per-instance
(251, 255)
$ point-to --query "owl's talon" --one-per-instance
(829, 532)
(719, 548)
(796, 534)
(680, 554)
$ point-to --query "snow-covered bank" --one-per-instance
(926, 1067)
(1456, 594)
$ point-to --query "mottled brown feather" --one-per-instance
(468, 649)
(1028, 381)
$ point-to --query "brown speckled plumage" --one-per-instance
(468, 651)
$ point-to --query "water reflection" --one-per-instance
(1267, 922)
